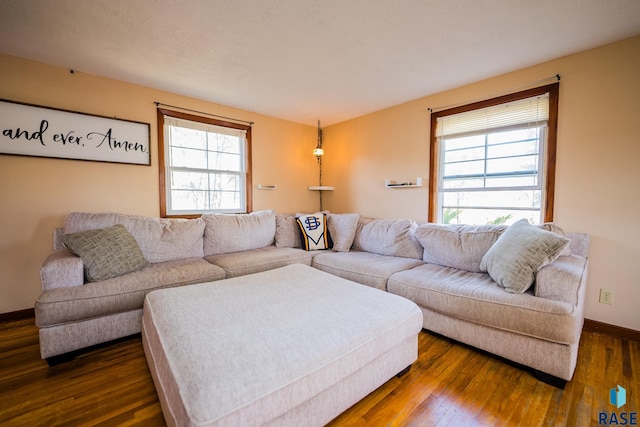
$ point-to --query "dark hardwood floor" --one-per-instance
(450, 385)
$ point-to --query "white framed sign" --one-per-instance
(33, 130)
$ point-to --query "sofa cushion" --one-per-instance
(363, 267)
(106, 252)
(458, 246)
(393, 237)
(226, 233)
(122, 293)
(476, 298)
(287, 231)
(519, 253)
(160, 239)
(342, 229)
(261, 259)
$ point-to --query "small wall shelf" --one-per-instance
(320, 188)
(266, 187)
(393, 184)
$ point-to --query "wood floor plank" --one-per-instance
(450, 384)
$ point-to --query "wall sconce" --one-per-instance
(318, 151)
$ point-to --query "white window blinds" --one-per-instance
(525, 112)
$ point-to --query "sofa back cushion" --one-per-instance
(342, 229)
(287, 231)
(160, 239)
(457, 246)
(394, 237)
(225, 233)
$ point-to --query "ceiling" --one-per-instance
(304, 60)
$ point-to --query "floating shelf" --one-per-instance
(394, 184)
(266, 187)
(320, 188)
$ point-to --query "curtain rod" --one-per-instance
(202, 112)
(531, 84)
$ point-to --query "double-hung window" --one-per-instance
(204, 165)
(493, 162)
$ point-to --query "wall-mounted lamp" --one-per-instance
(319, 151)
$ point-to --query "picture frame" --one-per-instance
(39, 131)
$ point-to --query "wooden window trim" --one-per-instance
(550, 154)
(161, 114)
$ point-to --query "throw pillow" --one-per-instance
(342, 229)
(555, 228)
(315, 235)
(519, 253)
(106, 252)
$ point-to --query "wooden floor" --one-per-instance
(450, 385)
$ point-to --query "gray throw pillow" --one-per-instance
(519, 253)
(106, 252)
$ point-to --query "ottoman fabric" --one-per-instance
(248, 350)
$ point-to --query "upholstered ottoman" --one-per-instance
(292, 346)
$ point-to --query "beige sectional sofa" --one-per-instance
(438, 267)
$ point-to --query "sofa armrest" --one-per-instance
(563, 280)
(61, 269)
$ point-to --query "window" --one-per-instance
(204, 165)
(493, 162)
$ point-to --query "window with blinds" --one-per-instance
(493, 162)
(205, 167)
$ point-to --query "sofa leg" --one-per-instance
(60, 358)
(550, 379)
(404, 371)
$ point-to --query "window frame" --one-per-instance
(162, 166)
(549, 155)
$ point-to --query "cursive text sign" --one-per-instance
(31, 130)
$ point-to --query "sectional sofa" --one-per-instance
(517, 291)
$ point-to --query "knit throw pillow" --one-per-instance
(518, 254)
(106, 252)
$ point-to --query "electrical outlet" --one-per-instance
(606, 296)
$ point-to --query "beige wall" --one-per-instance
(37, 193)
(598, 169)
